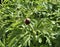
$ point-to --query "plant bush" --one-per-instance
(43, 29)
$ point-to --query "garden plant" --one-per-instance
(30, 23)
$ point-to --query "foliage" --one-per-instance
(44, 27)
